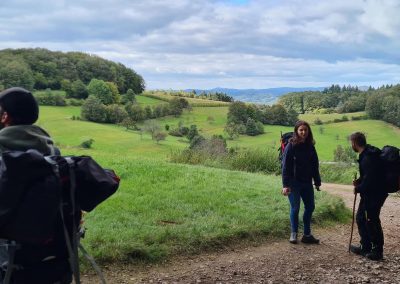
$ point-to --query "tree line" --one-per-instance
(382, 103)
(249, 118)
(40, 69)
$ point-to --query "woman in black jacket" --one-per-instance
(299, 168)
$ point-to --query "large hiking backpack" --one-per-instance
(391, 165)
(41, 198)
(284, 141)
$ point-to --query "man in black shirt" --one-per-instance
(373, 196)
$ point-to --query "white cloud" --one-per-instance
(240, 44)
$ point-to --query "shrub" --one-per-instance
(87, 144)
(94, 110)
(49, 99)
(344, 154)
(318, 121)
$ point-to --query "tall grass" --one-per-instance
(342, 173)
(245, 159)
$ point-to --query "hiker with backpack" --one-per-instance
(36, 263)
(300, 167)
(371, 187)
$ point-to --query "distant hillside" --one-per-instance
(39, 69)
(264, 96)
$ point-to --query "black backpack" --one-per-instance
(284, 141)
(41, 198)
(390, 158)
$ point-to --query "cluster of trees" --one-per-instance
(249, 118)
(218, 96)
(384, 104)
(349, 100)
(108, 107)
(40, 69)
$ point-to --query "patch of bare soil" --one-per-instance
(279, 261)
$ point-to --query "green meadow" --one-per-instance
(163, 209)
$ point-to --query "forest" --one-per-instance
(40, 69)
(382, 103)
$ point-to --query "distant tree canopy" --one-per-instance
(249, 118)
(41, 69)
(332, 99)
(382, 103)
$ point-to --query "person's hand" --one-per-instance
(356, 182)
(286, 191)
(317, 187)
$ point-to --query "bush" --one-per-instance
(87, 144)
(49, 99)
(94, 110)
(75, 102)
(318, 121)
(344, 154)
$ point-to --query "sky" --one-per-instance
(182, 44)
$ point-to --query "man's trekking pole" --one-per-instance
(354, 208)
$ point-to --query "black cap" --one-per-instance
(20, 105)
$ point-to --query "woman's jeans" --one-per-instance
(305, 191)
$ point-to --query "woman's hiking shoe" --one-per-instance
(360, 250)
(309, 239)
(293, 238)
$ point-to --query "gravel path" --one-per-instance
(280, 261)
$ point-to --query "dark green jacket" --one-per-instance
(25, 137)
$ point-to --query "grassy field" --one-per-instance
(193, 101)
(163, 209)
(209, 120)
(329, 117)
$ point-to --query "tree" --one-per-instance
(233, 130)
(192, 132)
(160, 136)
(175, 107)
(151, 127)
(16, 73)
(78, 90)
(237, 113)
(130, 96)
(135, 112)
(94, 110)
(101, 90)
(116, 97)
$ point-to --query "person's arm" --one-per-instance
(315, 171)
(366, 180)
(288, 166)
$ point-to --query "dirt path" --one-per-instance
(280, 261)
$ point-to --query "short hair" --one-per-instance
(359, 139)
(20, 105)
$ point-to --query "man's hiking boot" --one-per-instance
(375, 254)
(293, 238)
(309, 239)
(360, 250)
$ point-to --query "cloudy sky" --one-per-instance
(180, 44)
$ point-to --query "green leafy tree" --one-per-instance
(94, 110)
(16, 73)
(116, 97)
(101, 90)
(192, 132)
(78, 90)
